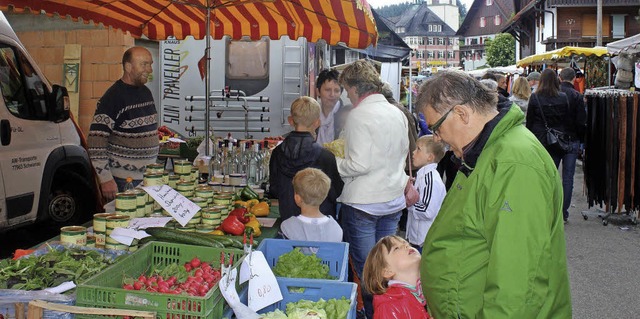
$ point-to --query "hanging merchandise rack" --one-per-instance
(611, 175)
(234, 102)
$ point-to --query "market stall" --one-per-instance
(627, 61)
(593, 63)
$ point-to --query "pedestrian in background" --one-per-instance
(123, 136)
(494, 251)
(576, 125)
(534, 80)
(521, 93)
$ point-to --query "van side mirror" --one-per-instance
(58, 104)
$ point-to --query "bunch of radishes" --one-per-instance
(196, 279)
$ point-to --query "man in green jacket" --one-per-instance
(497, 248)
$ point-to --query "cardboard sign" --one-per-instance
(173, 202)
(263, 286)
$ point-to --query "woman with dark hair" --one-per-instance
(548, 104)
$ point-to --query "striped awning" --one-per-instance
(336, 21)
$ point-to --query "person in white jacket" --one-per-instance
(376, 146)
(432, 191)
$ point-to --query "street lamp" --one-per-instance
(473, 59)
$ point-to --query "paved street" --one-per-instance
(603, 262)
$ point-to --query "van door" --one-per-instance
(33, 136)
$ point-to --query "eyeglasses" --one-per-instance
(434, 128)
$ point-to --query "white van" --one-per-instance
(45, 172)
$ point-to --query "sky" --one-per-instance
(378, 3)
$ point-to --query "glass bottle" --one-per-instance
(253, 166)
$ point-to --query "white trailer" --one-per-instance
(269, 74)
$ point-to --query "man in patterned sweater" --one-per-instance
(123, 135)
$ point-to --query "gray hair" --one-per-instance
(363, 76)
(449, 88)
(489, 83)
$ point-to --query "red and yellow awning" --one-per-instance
(336, 21)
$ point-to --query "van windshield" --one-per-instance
(22, 89)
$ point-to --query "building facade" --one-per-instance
(433, 42)
(544, 25)
(485, 19)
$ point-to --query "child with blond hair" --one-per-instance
(392, 275)
(429, 184)
(310, 187)
(298, 151)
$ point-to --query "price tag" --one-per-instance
(181, 208)
(263, 286)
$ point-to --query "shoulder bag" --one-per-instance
(554, 139)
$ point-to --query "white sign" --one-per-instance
(181, 208)
(263, 286)
(144, 222)
(228, 290)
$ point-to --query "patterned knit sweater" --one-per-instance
(123, 136)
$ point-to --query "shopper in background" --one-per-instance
(376, 146)
(577, 125)
(392, 275)
(310, 188)
(534, 80)
(123, 135)
(298, 151)
(550, 107)
(333, 110)
(502, 85)
(521, 93)
(493, 85)
(494, 251)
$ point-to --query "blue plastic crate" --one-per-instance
(334, 255)
(294, 290)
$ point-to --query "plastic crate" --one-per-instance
(292, 291)
(298, 289)
(334, 255)
(104, 290)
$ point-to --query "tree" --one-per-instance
(501, 51)
(462, 10)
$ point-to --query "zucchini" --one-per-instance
(225, 240)
(180, 237)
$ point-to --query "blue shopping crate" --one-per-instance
(294, 290)
(334, 255)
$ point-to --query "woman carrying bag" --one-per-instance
(551, 118)
(548, 110)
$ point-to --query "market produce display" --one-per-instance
(305, 309)
(52, 268)
(194, 278)
(295, 264)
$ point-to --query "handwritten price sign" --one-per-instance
(181, 208)
(263, 286)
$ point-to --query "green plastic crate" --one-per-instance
(104, 289)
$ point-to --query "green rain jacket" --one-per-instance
(497, 248)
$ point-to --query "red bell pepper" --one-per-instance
(231, 225)
(242, 214)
